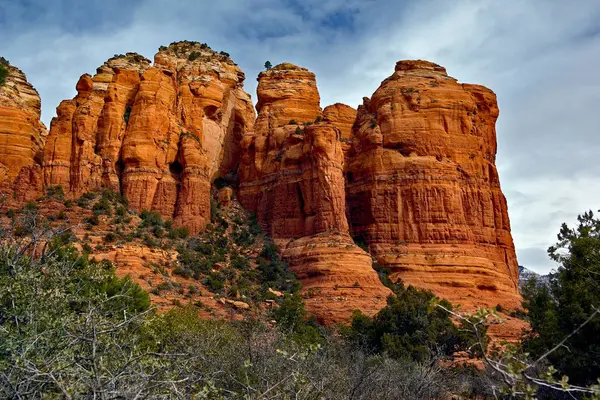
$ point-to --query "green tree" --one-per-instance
(409, 327)
(567, 306)
(268, 65)
(3, 70)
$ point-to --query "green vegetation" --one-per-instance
(569, 304)
(268, 65)
(409, 328)
(69, 328)
(96, 332)
(3, 70)
(127, 114)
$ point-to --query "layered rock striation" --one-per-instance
(157, 133)
(411, 174)
(22, 135)
(423, 190)
(291, 176)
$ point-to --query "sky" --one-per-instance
(542, 58)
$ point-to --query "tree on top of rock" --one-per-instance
(268, 65)
(3, 70)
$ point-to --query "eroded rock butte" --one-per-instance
(410, 175)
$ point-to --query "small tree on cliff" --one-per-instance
(3, 70)
(268, 65)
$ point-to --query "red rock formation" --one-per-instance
(423, 190)
(22, 135)
(420, 187)
(343, 117)
(291, 176)
(160, 134)
(286, 93)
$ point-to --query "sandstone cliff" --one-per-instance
(158, 133)
(22, 135)
(291, 176)
(423, 190)
(411, 174)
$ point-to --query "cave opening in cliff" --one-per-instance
(211, 112)
(119, 167)
(176, 169)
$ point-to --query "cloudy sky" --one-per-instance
(542, 58)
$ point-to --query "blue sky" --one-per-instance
(540, 57)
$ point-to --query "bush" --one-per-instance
(215, 282)
(3, 73)
(93, 220)
(55, 192)
(178, 233)
(183, 272)
(150, 219)
(408, 328)
(102, 207)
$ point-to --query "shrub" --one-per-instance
(55, 192)
(3, 73)
(215, 282)
(102, 207)
(183, 272)
(178, 233)
(408, 328)
(150, 219)
(93, 219)
(30, 206)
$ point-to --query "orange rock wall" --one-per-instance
(411, 173)
(291, 176)
(158, 133)
(22, 135)
(423, 190)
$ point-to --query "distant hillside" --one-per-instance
(525, 275)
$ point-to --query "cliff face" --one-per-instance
(423, 190)
(158, 133)
(411, 173)
(291, 176)
(22, 135)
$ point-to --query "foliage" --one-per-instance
(55, 192)
(3, 73)
(127, 114)
(571, 298)
(69, 328)
(64, 322)
(409, 328)
(151, 219)
(268, 65)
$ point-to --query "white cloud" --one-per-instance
(540, 57)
